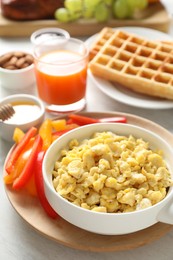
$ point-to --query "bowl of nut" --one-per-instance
(16, 70)
(109, 178)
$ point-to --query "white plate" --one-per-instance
(123, 94)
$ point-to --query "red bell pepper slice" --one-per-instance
(116, 119)
(40, 187)
(20, 163)
(31, 187)
(27, 171)
(19, 148)
(59, 133)
(82, 120)
(69, 121)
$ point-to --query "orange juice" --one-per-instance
(61, 77)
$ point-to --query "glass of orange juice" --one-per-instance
(61, 74)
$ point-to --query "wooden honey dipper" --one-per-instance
(6, 111)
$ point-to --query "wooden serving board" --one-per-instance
(155, 16)
(69, 235)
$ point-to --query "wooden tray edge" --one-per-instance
(160, 228)
(158, 19)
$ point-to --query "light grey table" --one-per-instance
(20, 241)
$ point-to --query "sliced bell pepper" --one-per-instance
(59, 124)
(18, 135)
(71, 126)
(27, 171)
(20, 163)
(31, 187)
(57, 134)
(84, 120)
(69, 121)
(18, 149)
(40, 187)
(45, 131)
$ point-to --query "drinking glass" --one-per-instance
(61, 74)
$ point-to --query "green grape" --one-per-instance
(90, 4)
(130, 13)
(142, 4)
(131, 7)
(74, 16)
(101, 13)
(120, 9)
(89, 7)
(137, 4)
(73, 5)
(132, 4)
(96, 2)
(62, 15)
(86, 13)
(108, 2)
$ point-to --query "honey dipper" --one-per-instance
(6, 111)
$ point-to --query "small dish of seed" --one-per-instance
(17, 70)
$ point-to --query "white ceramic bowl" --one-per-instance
(108, 223)
(7, 129)
(43, 34)
(17, 79)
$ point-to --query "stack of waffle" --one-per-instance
(142, 65)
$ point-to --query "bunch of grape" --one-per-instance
(101, 10)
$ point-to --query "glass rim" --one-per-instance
(81, 57)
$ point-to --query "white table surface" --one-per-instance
(20, 241)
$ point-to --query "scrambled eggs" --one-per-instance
(111, 173)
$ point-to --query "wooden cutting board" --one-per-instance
(64, 233)
(155, 16)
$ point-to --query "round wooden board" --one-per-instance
(69, 235)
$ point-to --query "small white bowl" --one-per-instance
(7, 129)
(108, 223)
(17, 79)
(43, 34)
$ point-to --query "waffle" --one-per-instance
(141, 65)
(102, 38)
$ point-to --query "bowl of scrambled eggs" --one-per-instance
(110, 178)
